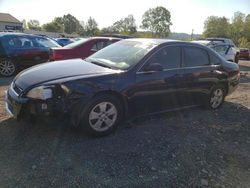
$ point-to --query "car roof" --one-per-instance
(204, 42)
(164, 41)
(210, 43)
(110, 38)
(152, 40)
(2, 34)
(117, 36)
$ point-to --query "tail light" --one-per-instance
(54, 55)
(51, 55)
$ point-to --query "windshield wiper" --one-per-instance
(96, 62)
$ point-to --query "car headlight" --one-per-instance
(41, 92)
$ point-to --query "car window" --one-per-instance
(110, 42)
(221, 49)
(214, 60)
(168, 57)
(97, 46)
(195, 57)
(26, 42)
(14, 42)
(45, 42)
(2, 51)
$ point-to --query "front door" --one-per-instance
(157, 90)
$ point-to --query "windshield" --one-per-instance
(122, 55)
(75, 44)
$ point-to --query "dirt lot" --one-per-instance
(190, 148)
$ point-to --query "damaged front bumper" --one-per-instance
(18, 106)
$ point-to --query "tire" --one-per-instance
(7, 68)
(102, 115)
(216, 97)
(236, 60)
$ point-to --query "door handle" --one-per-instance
(216, 71)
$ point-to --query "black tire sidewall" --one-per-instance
(84, 123)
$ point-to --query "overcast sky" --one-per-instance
(185, 14)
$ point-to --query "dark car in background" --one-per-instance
(64, 41)
(244, 53)
(133, 76)
(81, 48)
(18, 51)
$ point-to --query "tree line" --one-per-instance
(156, 22)
(238, 29)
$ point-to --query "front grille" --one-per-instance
(17, 89)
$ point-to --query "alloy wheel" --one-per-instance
(217, 98)
(103, 116)
(7, 68)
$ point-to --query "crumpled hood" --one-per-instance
(58, 70)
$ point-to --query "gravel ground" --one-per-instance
(189, 148)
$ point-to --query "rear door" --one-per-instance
(200, 74)
(159, 90)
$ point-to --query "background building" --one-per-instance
(9, 23)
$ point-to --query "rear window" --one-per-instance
(195, 57)
(76, 44)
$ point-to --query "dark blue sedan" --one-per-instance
(130, 77)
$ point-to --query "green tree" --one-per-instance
(237, 27)
(215, 26)
(109, 29)
(247, 27)
(53, 26)
(126, 25)
(91, 27)
(71, 24)
(243, 42)
(34, 25)
(157, 20)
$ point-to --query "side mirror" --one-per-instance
(154, 67)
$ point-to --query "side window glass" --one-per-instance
(109, 42)
(15, 42)
(214, 60)
(168, 57)
(195, 57)
(26, 42)
(97, 46)
(221, 49)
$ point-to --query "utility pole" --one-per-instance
(192, 34)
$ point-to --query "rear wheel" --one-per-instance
(102, 115)
(7, 67)
(236, 60)
(216, 97)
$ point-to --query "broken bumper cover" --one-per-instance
(13, 103)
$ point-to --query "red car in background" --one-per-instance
(81, 48)
(244, 53)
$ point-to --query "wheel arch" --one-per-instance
(224, 84)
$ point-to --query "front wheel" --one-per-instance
(216, 98)
(7, 67)
(102, 115)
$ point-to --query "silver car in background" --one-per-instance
(228, 50)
